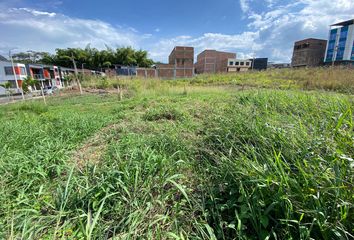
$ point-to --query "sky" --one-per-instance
(251, 28)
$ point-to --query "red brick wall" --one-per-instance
(146, 72)
(210, 61)
(165, 70)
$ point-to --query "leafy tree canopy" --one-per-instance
(92, 58)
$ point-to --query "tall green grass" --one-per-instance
(185, 162)
(339, 79)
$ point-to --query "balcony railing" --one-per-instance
(38, 76)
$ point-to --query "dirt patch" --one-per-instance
(93, 148)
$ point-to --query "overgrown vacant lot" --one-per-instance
(183, 163)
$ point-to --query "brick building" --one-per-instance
(182, 61)
(180, 65)
(212, 61)
(308, 53)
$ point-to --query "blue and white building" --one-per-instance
(340, 46)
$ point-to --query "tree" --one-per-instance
(29, 56)
(27, 83)
(142, 59)
(97, 59)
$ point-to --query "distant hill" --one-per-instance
(2, 58)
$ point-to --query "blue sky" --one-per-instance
(262, 28)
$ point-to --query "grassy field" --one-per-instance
(252, 156)
(326, 79)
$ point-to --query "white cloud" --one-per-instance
(272, 28)
(280, 25)
(27, 28)
(244, 4)
(34, 12)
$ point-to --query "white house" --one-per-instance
(238, 65)
(7, 74)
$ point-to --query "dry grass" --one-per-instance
(339, 79)
(93, 148)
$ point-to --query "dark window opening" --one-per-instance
(9, 71)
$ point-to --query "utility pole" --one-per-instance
(76, 73)
(15, 75)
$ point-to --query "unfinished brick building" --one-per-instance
(182, 60)
(212, 61)
(308, 53)
(181, 65)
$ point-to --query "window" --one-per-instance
(237, 63)
(242, 63)
(247, 63)
(231, 63)
(343, 32)
(333, 35)
(9, 71)
(331, 46)
(18, 70)
(22, 71)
